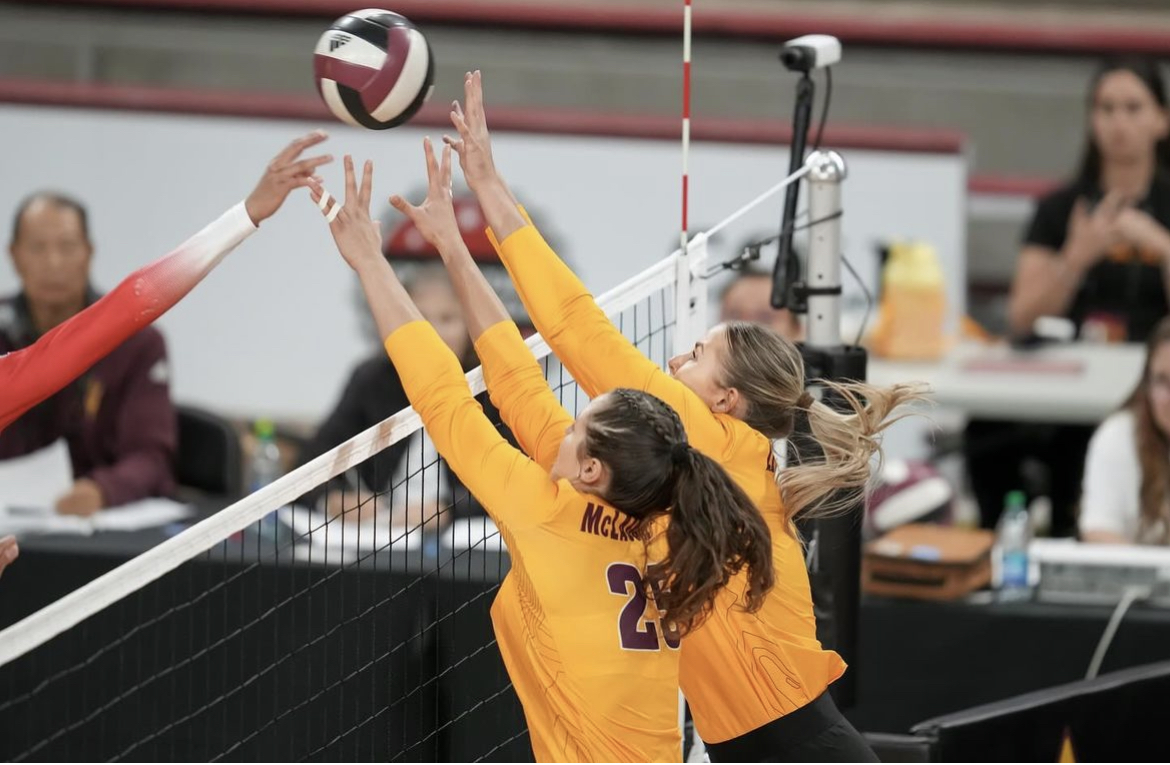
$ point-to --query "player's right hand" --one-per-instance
(283, 174)
(358, 237)
(435, 217)
(474, 145)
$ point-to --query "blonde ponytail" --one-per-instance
(843, 445)
(835, 450)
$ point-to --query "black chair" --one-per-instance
(891, 747)
(1118, 717)
(210, 458)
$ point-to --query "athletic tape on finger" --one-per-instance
(332, 216)
(324, 200)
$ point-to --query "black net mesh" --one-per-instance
(350, 625)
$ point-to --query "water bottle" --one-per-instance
(266, 457)
(1013, 534)
(265, 468)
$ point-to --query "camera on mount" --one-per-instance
(810, 52)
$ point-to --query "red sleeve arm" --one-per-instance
(32, 374)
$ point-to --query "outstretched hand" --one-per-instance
(358, 237)
(474, 145)
(435, 217)
(283, 174)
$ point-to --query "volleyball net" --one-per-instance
(314, 619)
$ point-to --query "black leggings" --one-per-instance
(817, 732)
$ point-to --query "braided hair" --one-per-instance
(715, 530)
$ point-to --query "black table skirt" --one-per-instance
(918, 660)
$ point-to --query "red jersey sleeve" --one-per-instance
(32, 374)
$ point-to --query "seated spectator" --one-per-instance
(1096, 252)
(748, 298)
(1096, 249)
(1126, 496)
(373, 393)
(117, 418)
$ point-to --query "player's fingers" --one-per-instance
(445, 169)
(293, 150)
(459, 120)
(316, 189)
(469, 91)
(461, 125)
(307, 166)
(350, 183)
(367, 184)
(326, 203)
(454, 144)
(432, 166)
(402, 206)
(475, 101)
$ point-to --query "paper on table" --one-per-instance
(43, 522)
(479, 534)
(321, 532)
(143, 514)
(36, 481)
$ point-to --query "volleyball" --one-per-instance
(373, 69)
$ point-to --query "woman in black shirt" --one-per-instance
(1096, 249)
(1095, 252)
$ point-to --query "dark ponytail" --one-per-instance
(715, 530)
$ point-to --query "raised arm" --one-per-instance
(511, 487)
(520, 392)
(514, 380)
(32, 374)
(599, 357)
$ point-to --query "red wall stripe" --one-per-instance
(556, 121)
(1070, 37)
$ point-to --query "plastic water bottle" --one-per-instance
(266, 457)
(265, 468)
(1012, 537)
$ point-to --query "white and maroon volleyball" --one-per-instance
(373, 68)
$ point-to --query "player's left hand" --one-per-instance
(85, 498)
(283, 174)
(358, 238)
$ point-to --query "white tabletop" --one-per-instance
(1072, 383)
